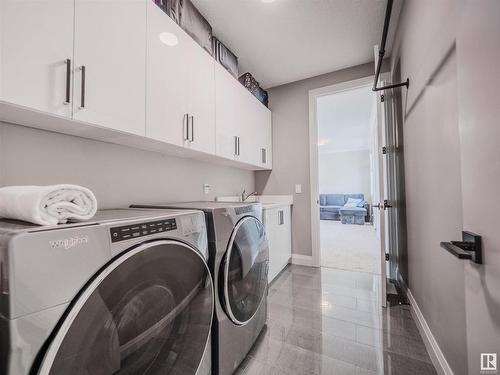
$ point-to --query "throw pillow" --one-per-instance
(362, 203)
(351, 202)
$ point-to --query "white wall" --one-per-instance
(345, 172)
(118, 175)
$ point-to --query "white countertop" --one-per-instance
(268, 206)
(267, 201)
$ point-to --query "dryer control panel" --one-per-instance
(142, 229)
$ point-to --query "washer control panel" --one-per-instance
(142, 229)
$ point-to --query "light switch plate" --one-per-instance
(206, 188)
(298, 189)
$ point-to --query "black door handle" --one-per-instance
(192, 129)
(68, 81)
(385, 206)
(185, 120)
(469, 248)
(82, 104)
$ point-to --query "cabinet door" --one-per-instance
(251, 128)
(36, 38)
(263, 135)
(286, 236)
(254, 130)
(268, 140)
(278, 225)
(271, 225)
(201, 98)
(110, 44)
(167, 53)
(228, 112)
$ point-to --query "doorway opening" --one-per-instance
(347, 125)
(346, 182)
(343, 239)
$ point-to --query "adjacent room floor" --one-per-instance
(329, 321)
(350, 247)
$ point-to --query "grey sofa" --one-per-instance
(332, 208)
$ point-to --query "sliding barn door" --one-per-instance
(478, 53)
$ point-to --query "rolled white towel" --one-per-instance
(47, 205)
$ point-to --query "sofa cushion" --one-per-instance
(354, 211)
(330, 208)
(335, 200)
(352, 202)
(361, 203)
(322, 199)
(355, 196)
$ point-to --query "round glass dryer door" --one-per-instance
(148, 312)
(245, 270)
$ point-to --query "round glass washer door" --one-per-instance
(245, 270)
(148, 312)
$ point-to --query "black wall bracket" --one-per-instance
(469, 248)
(381, 53)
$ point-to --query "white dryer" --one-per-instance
(126, 293)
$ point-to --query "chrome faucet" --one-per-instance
(244, 198)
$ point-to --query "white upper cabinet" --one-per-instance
(167, 75)
(110, 64)
(180, 86)
(262, 132)
(258, 133)
(36, 40)
(269, 142)
(126, 66)
(201, 99)
(267, 139)
(243, 123)
(248, 128)
(228, 113)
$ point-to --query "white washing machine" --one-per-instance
(128, 292)
(239, 261)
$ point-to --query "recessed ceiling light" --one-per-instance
(268, 1)
(169, 39)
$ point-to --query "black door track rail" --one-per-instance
(381, 53)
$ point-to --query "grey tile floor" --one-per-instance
(329, 321)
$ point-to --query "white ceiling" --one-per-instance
(344, 120)
(283, 41)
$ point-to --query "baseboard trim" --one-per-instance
(437, 357)
(302, 260)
